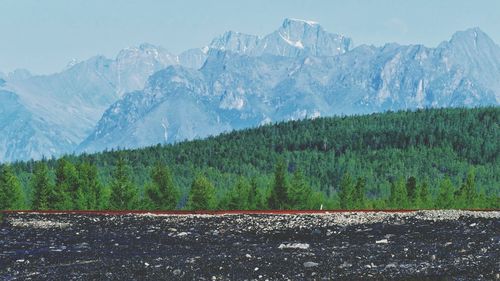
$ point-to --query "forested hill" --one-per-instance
(432, 148)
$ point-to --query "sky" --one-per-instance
(43, 36)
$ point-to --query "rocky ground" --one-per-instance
(424, 245)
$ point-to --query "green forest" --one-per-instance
(429, 158)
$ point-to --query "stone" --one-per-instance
(308, 264)
(303, 246)
(390, 265)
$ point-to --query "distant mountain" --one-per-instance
(293, 39)
(193, 58)
(147, 95)
(51, 114)
(234, 90)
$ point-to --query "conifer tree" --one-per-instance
(202, 194)
(300, 192)
(346, 192)
(467, 194)
(253, 195)
(425, 196)
(11, 194)
(359, 195)
(445, 196)
(66, 186)
(162, 192)
(316, 200)
(123, 192)
(411, 190)
(91, 191)
(239, 196)
(41, 187)
(398, 198)
(278, 200)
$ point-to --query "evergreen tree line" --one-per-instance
(377, 153)
(78, 188)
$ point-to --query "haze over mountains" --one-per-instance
(147, 95)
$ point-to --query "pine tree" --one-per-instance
(11, 194)
(123, 192)
(398, 198)
(359, 195)
(425, 196)
(445, 196)
(91, 191)
(467, 195)
(300, 192)
(41, 187)
(253, 195)
(64, 193)
(411, 190)
(162, 192)
(202, 194)
(239, 196)
(316, 200)
(278, 200)
(346, 192)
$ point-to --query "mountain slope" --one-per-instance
(429, 144)
(147, 95)
(61, 109)
(293, 39)
(234, 90)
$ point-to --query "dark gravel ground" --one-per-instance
(430, 245)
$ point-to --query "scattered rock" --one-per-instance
(231, 247)
(308, 264)
(390, 265)
(345, 265)
(303, 246)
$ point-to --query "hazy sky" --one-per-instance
(43, 36)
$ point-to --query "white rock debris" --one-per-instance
(303, 246)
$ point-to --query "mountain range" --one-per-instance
(147, 95)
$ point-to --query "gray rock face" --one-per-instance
(147, 96)
(56, 112)
(234, 90)
(293, 39)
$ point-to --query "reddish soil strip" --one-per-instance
(221, 212)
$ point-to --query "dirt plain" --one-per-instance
(421, 245)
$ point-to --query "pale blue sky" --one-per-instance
(43, 36)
